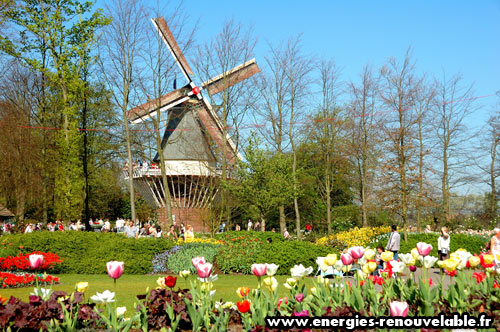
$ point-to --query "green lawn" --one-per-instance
(128, 286)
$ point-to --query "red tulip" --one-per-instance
(412, 268)
(170, 281)
(243, 306)
(115, 269)
(284, 299)
(204, 270)
(480, 276)
(36, 261)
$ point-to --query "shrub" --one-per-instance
(181, 259)
(344, 217)
(88, 252)
(262, 236)
(289, 253)
(160, 260)
(471, 243)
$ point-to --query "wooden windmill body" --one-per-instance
(192, 130)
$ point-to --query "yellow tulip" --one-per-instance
(313, 290)
(474, 261)
(488, 259)
(440, 264)
(451, 264)
(415, 253)
(271, 283)
(330, 259)
(82, 287)
(369, 254)
(372, 266)
(387, 256)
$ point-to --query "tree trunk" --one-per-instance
(282, 219)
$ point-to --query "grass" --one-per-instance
(128, 286)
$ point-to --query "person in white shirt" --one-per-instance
(119, 225)
(250, 224)
(444, 244)
(286, 235)
(107, 224)
(495, 245)
(29, 229)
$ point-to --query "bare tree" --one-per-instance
(398, 92)
(282, 91)
(423, 107)
(364, 136)
(452, 105)
(232, 47)
(121, 43)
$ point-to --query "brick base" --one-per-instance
(196, 217)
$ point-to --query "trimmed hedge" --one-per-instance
(263, 236)
(88, 252)
(289, 253)
(471, 243)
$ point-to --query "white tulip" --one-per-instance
(429, 261)
(104, 297)
(120, 311)
(299, 271)
(271, 269)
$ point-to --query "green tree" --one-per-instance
(263, 181)
(66, 29)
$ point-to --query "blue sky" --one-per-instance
(454, 36)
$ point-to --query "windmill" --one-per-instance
(191, 126)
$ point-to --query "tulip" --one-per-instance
(303, 313)
(415, 254)
(82, 287)
(480, 277)
(331, 259)
(369, 254)
(290, 283)
(198, 260)
(104, 297)
(356, 252)
(227, 305)
(314, 291)
(387, 256)
(346, 268)
(372, 266)
(366, 269)
(397, 267)
(474, 261)
(282, 300)
(406, 258)
(423, 248)
(120, 311)
(170, 281)
(412, 268)
(398, 309)
(299, 297)
(346, 259)
(488, 259)
(321, 264)
(429, 261)
(259, 269)
(184, 274)
(36, 261)
(204, 270)
(271, 283)
(44, 293)
(115, 269)
(242, 291)
(243, 306)
(299, 271)
(451, 264)
(271, 269)
(161, 282)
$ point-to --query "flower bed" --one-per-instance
(11, 280)
(21, 261)
(355, 236)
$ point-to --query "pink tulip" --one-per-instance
(357, 252)
(115, 269)
(346, 259)
(423, 248)
(36, 261)
(204, 270)
(299, 297)
(399, 309)
(259, 270)
(198, 260)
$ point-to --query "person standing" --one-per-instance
(131, 230)
(443, 244)
(286, 235)
(394, 242)
(249, 225)
(495, 245)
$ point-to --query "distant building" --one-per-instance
(5, 213)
